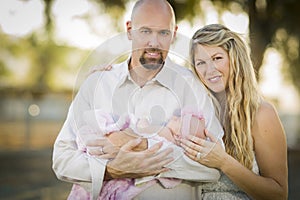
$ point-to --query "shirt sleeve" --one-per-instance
(70, 163)
(208, 108)
(195, 95)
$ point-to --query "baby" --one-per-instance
(99, 124)
(183, 122)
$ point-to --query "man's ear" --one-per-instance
(129, 29)
(174, 34)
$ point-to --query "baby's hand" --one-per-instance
(104, 67)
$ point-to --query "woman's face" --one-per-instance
(212, 65)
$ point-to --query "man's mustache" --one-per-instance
(154, 50)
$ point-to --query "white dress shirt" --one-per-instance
(115, 92)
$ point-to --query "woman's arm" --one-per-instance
(271, 155)
(270, 151)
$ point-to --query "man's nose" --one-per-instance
(153, 40)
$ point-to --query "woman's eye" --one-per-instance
(200, 63)
(217, 58)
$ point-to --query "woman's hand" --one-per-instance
(212, 154)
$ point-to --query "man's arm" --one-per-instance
(122, 138)
(208, 108)
(138, 164)
(70, 163)
(182, 167)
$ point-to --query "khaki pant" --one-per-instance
(183, 191)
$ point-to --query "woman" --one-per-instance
(254, 165)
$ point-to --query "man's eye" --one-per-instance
(165, 33)
(145, 31)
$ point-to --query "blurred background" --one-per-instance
(44, 43)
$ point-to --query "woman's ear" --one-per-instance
(129, 29)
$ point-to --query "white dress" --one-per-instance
(225, 189)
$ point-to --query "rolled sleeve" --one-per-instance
(206, 105)
(71, 164)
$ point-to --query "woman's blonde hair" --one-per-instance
(242, 95)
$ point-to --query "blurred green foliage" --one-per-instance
(272, 23)
(267, 18)
(38, 61)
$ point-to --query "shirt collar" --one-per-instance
(165, 76)
(124, 75)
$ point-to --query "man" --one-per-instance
(148, 86)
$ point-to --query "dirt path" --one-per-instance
(28, 175)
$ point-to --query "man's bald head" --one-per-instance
(152, 30)
(160, 5)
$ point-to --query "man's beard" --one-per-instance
(152, 63)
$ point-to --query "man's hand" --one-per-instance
(131, 164)
(102, 148)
